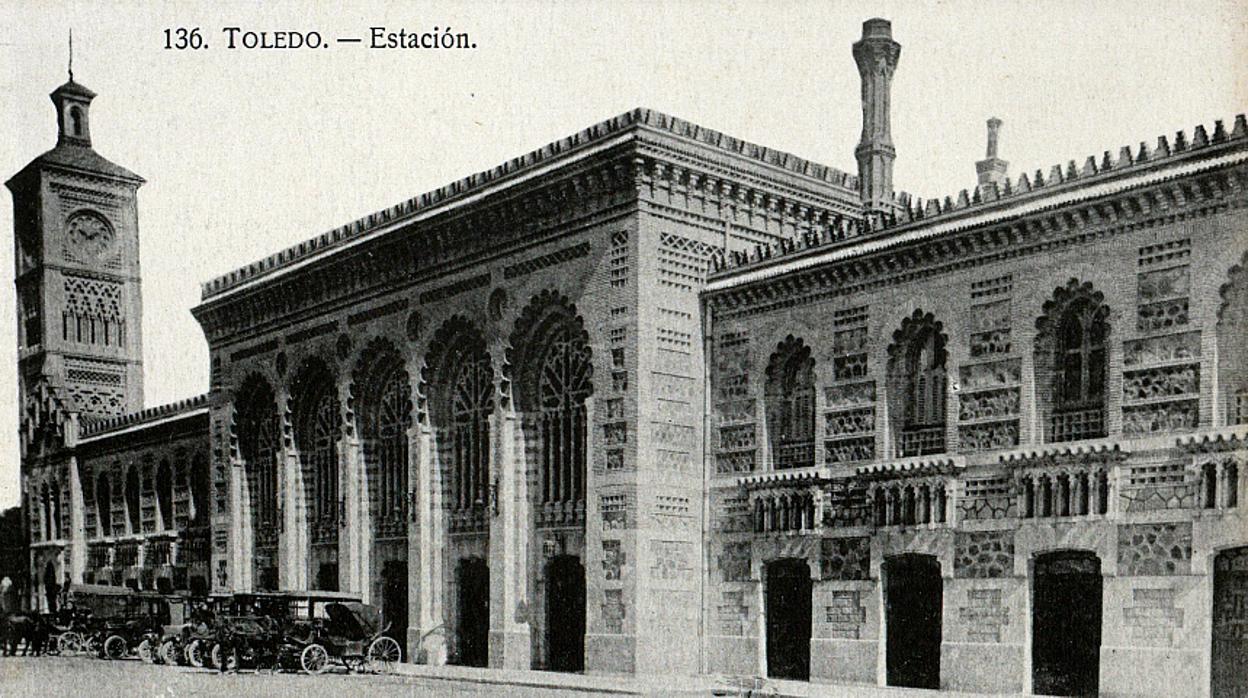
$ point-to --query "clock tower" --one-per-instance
(79, 306)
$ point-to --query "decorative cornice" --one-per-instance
(93, 428)
(991, 204)
(915, 467)
(856, 267)
(514, 171)
(1231, 438)
(1104, 450)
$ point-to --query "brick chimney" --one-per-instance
(992, 169)
(876, 55)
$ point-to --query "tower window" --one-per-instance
(76, 121)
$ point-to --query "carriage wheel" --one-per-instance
(195, 654)
(383, 654)
(314, 659)
(70, 642)
(115, 647)
(145, 651)
(169, 653)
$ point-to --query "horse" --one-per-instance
(28, 626)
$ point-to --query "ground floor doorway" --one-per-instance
(394, 601)
(913, 594)
(1230, 623)
(1066, 624)
(788, 609)
(565, 614)
(473, 578)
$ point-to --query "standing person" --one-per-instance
(229, 653)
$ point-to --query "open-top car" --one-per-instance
(351, 634)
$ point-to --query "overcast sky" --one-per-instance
(246, 152)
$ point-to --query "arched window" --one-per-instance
(46, 507)
(58, 523)
(200, 488)
(1071, 348)
(463, 380)
(385, 415)
(791, 405)
(563, 386)
(133, 510)
(917, 385)
(256, 426)
(164, 493)
(104, 504)
(316, 421)
(75, 121)
(553, 360)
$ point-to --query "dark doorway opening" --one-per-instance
(474, 612)
(788, 608)
(51, 590)
(1066, 624)
(394, 601)
(565, 614)
(913, 594)
(1230, 623)
(327, 576)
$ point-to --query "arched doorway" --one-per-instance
(1230, 620)
(913, 595)
(1066, 624)
(788, 608)
(565, 614)
(474, 612)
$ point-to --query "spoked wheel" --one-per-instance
(314, 659)
(91, 645)
(195, 654)
(115, 647)
(70, 642)
(147, 654)
(218, 656)
(169, 653)
(383, 654)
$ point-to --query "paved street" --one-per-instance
(93, 678)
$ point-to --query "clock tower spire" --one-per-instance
(78, 283)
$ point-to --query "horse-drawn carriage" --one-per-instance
(352, 635)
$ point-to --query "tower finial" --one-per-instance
(71, 54)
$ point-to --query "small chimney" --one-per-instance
(876, 55)
(992, 169)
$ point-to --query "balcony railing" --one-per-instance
(922, 441)
(1075, 424)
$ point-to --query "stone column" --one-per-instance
(352, 529)
(428, 505)
(292, 541)
(509, 542)
(77, 524)
(415, 578)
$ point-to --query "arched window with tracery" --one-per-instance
(317, 424)
(164, 493)
(58, 521)
(104, 504)
(256, 425)
(790, 396)
(385, 416)
(916, 380)
(462, 377)
(1072, 359)
(133, 492)
(554, 361)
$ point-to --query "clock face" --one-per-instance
(91, 234)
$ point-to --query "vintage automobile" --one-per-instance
(196, 622)
(136, 629)
(350, 634)
(85, 611)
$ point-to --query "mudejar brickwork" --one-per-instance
(652, 399)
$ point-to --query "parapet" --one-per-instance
(911, 213)
(100, 426)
